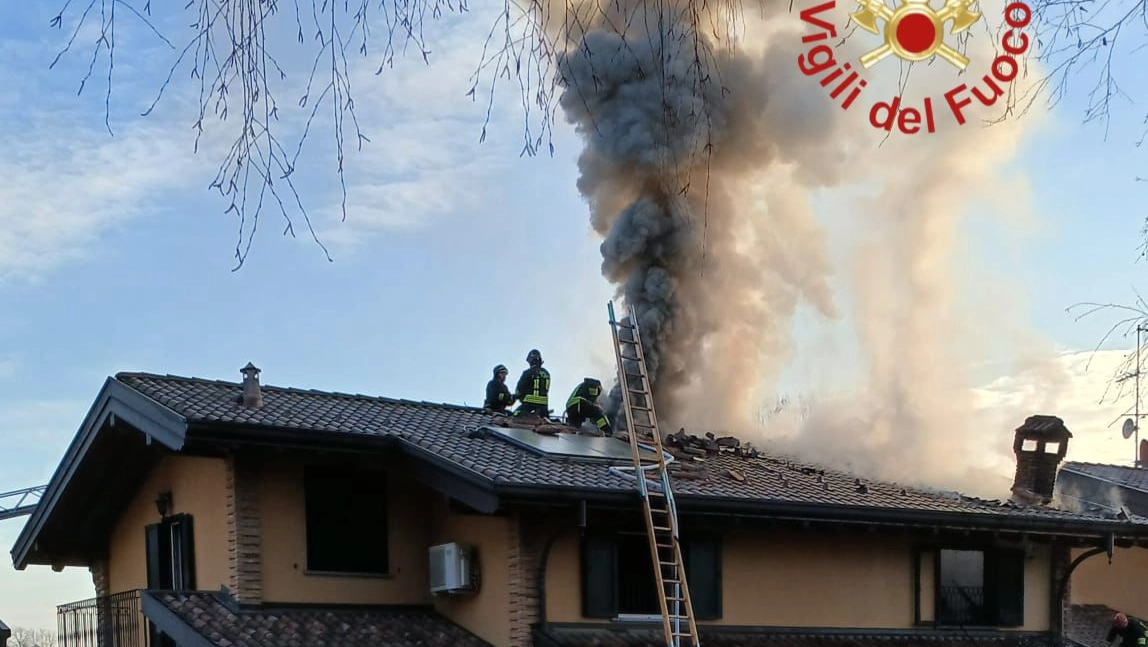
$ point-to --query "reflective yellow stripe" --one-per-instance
(534, 399)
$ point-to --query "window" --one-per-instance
(170, 554)
(346, 518)
(618, 576)
(980, 588)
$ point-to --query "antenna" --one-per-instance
(1132, 427)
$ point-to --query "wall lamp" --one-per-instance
(163, 504)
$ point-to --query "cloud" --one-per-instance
(1074, 386)
(67, 181)
(424, 160)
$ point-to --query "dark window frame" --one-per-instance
(346, 521)
(169, 559)
(998, 602)
(170, 553)
(602, 581)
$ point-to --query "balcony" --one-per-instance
(111, 621)
(962, 606)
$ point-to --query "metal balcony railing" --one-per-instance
(110, 621)
(962, 606)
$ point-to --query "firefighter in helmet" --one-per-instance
(583, 405)
(1132, 632)
(533, 387)
(498, 397)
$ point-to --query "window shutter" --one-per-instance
(187, 553)
(1008, 569)
(599, 576)
(154, 557)
(702, 556)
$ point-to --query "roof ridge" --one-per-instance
(298, 390)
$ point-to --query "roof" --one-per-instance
(453, 433)
(205, 619)
(1130, 477)
(450, 448)
(5, 632)
(717, 636)
(1088, 624)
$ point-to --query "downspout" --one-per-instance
(1108, 548)
(545, 559)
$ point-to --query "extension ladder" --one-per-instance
(657, 502)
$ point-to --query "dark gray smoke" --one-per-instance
(673, 128)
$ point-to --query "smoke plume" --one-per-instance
(701, 171)
(668, 152)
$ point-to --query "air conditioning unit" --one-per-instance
(453, 569)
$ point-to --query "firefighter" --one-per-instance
(583, 406)
(1132, 632)
(498, 396)
(533, 388)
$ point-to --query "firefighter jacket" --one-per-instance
(585, 392)
(1131, 636)
(534, 386)
(497, 395)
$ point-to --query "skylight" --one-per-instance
(568, 446)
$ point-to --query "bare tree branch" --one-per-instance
(1130, 318)
(232, 58)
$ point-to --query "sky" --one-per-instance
(456, 255)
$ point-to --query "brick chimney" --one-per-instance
(1040, 445)
(252, 394)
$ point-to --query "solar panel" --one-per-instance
(595, 448)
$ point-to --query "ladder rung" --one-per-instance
(657, 528)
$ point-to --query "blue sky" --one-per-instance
(455, 256)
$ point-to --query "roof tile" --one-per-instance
(454, 432)
(215, 617)
(1129, 477)
(615, 636)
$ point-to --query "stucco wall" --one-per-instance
(284, 543)
(488, 612)
(1122, 585)
(199, 488)
(768, 578)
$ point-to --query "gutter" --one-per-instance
(821, 512)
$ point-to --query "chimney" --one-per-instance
(1040, 444)
(252, 395)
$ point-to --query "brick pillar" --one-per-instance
(99, 571)
(243, 530)
(1061, 560)
(526, 539)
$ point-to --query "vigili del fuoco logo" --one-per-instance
(914, 32)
